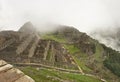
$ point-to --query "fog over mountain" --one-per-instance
(88, 16)
(110, 37)
(85, 15)
(56, 40)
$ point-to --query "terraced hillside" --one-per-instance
(91, 56)
(28, 47)
(65, 55)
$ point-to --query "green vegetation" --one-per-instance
(71, 48)
(82, 65)
(49, 55)
(75, 52)
(46, 75)
(112, 62)
(57, 38)
(92, 63)
(99, 53)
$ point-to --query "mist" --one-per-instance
(85, 15)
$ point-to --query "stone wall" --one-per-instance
(33, 47)
(24, 44)
(6, 44)
(10, 74)
(46, 50)
(52, 57)
(22, 36)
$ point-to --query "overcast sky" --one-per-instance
(85, 15)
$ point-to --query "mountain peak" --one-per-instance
(27, 27)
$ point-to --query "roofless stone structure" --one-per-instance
(26, 46)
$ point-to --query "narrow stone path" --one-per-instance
(46, 66)
(59, 69)
(80, 69)
(10, 74)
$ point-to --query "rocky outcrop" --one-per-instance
(27, 28)
(10, 74)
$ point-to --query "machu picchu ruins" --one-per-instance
(26, 46)
(10, 74)
(66, 50)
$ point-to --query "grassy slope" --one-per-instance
(75, 53)
(46, 75)
(72, 50)
(54, 37)
(82, 59)
(113, 61)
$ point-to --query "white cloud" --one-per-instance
(82, 14)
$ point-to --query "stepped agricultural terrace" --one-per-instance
(66, 50)
(26, 46)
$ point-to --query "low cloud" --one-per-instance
(85, 15)
(108, 36)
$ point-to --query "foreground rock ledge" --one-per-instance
(10, 74)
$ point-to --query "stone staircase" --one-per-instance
(10, 74)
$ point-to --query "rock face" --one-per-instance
(10, 74)
(27, 28)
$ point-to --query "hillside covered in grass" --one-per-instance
(91, 56)
(48, 75)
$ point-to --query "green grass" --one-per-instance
(42, 76)
(98, 54)
(71, 48)
(57, 38)
(82, 65)
(84, 59)
(49, 55)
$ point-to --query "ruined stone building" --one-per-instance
(25, 46)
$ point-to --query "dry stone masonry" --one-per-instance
(10, 74)
(25, 46)
(33, 47)
(6, 44)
